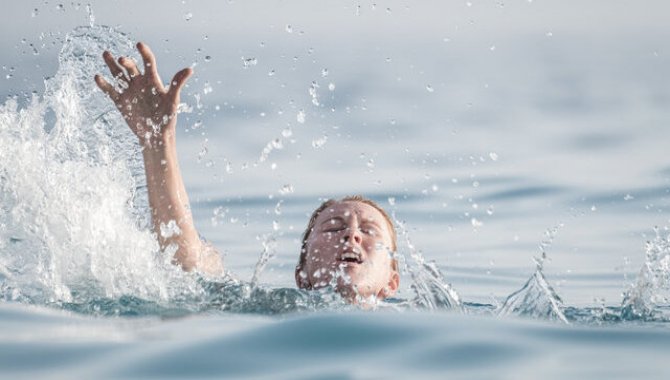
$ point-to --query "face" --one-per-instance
(350, 248)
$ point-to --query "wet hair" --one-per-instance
(329, 203)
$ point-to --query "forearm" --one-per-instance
(169, 201)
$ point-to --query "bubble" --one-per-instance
(493, 156)
(60, 7)
(429, 88)
(208, 58)
(489, 210)
(476, 223)
(391, 201)
(324, 73)
(188, 16)
(289, 28)
(35, 12)
(331, 86)
(287, 132)
(271, 73)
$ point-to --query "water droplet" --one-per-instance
(207, 88)
(287, 132)
(35, 12)
(300, 117)
(289, 28)
(91, 16)
(493, 156)
(628, 197)
(313, 94)
(248, 62)
(271, 73)
(371, 163)
(435, 188)
(476, 223)
(208, 58)
(429, 88)
(550, 34)
(492, 48)
(188, 16)
(324, 73)
(60, 7)
(490, 210)
(320, 142)
(275, 225)
(331, 86)
(286, 189)
(391, 201)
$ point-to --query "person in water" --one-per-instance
(348, 243)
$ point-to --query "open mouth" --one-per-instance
(351, 257)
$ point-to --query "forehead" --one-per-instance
(351, 209)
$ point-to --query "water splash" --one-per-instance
(536, 299)
(651, 290)
(73, 210)
(430, 289)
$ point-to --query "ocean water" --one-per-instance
(520, 147)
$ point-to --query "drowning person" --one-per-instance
(349, 244)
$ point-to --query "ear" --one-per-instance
(392, 287)
(301, 279)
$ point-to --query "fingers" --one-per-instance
(130, 66)
(178, 82)
(111, 63)
(106, 87)
(149, 60)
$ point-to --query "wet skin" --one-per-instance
(350, 248)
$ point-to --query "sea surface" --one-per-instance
(520, 146)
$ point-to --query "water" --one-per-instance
(527, 181)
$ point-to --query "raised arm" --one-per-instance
(150, 109)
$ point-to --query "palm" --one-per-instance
(145, 103)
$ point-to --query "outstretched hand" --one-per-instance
(148, 107)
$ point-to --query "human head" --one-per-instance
(349, 243)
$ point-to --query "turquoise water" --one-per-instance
(520, 149)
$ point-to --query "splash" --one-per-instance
(536, 298)
(73, 209)
(430, 289)
(650, 294)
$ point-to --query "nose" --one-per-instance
(353, 234)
